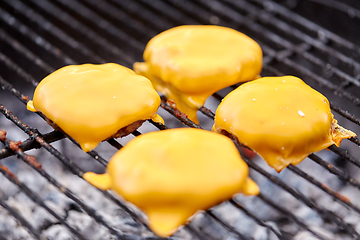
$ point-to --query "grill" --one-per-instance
(41, 191)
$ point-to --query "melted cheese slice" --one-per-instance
(172, 174)
(280, 118)
(92, 102)
(189, 63)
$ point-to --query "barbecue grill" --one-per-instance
(42, 193)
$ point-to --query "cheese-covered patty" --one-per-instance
(172, 174)
(281, 118)
(189, 63)
(93, 102)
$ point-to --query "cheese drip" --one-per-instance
(281, 118)
(172, 174)
(188, 64)
(92, 102)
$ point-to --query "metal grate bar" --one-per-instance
(276, 8)
(34, 197)
(114, 143)
(236, 17)
(175, 112)
(52, 29)
(117, 145)
(328, 84)
(335, 195)
(24, 51)
(276, 22)
(254, 27)
(182, 117)
(28, 33)
(342, 175)
(341, 152)
(103, 24)
(146, 15)
(120, 16)
(83, 29)
(97, 157)
(71, 166)
(285, 212)
(194, 232)
(344, 154)
(323, 213)
(16, 68)
(202, 111)
(226, 225)
(322, 81)
(23, 98)
(289, 215)
(7, 86)
(158, 125)
(92, 153)
(159, 7)
(337, 150)
(253, 216)
(345, 114)
(207, 112)
(19, 218)
(33, 134)
(31, 143)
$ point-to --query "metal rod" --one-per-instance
(295, 17)
(257, 220)
(33, 196)
(31, 143)
(17, 69)
(66, 161)
(177, 17)
(24, 51)
(285, 27)
(53, 30)
(323, 213)
(289, 215)
(225, 224)
(20, 219)
(89, 33)
(345, 113)
(332, 169)
(234, 16)
(326, 189)
(37, 39)
(175, 112)
(101, 23)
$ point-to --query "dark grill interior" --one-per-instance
(315, 40)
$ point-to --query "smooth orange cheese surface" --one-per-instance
(92, 102)
(172, 174)
(281, 118)
(189, 63)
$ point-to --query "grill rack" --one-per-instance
(192, 13)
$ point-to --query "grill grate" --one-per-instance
(40, 36)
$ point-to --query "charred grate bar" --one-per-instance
(115, 27)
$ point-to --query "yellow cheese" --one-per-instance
(281, 118)
(189, 63)
(92, 102)
(172, 174)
